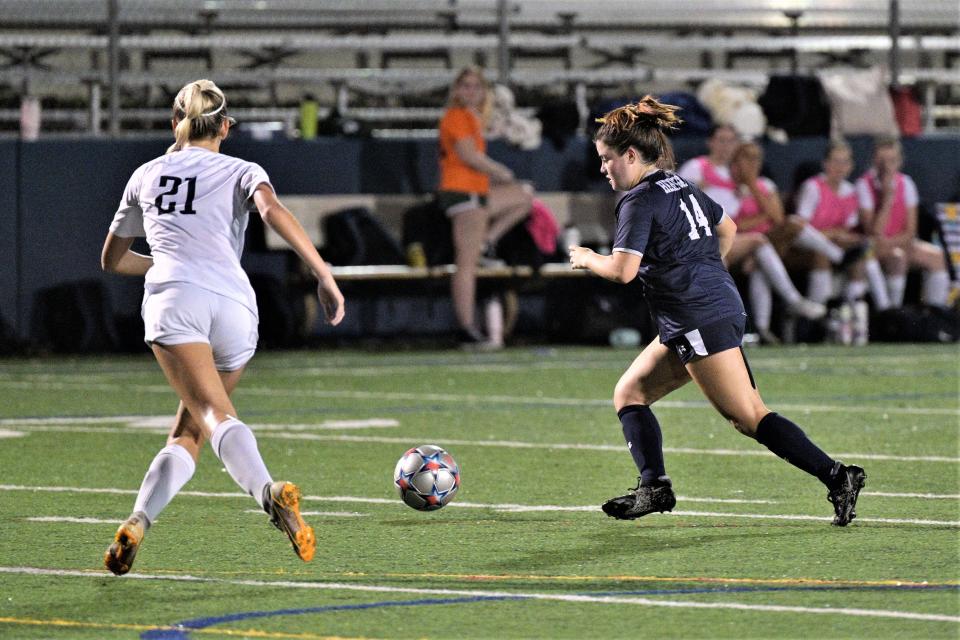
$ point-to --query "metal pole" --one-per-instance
(94, 124)
(113, 61)
(503, 47)
(894, 43)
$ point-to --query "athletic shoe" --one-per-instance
(119, 556)
(768, 337)
(282, 502)
(472, 340)
(808, 309)
(845, 485)
(641, 500)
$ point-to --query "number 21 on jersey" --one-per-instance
(173, 182)
(697, 218)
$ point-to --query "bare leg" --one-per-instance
(469, 228)
(508, 205)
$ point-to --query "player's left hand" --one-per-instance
(331, 300)
(579, 256)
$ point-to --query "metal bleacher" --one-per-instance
(388, 62)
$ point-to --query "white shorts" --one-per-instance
(181, 313)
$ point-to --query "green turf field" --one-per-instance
(524, 550)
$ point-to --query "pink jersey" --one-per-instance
(713, 179)
(749, 207)
(833, 211)
(897, 222)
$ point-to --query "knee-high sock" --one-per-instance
(788, 441)
(878, 284)
(854, 290)
(819, 285)
(776, 273)
(234, 443)
(813, 240)
(171, 468)
(936, 288)
(896, 285)
(761, 300)
(642, 433)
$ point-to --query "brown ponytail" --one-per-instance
(642, 125)
(199, 110)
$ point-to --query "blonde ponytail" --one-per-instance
(199, 110)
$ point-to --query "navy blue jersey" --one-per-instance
(672, 224)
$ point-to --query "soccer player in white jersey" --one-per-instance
(199, 310)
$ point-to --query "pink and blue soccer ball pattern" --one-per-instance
(427, 477)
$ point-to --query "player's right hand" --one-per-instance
(331, 300)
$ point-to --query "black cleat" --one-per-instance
(641, 500)
(845, 485)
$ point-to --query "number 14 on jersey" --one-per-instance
(698, 215)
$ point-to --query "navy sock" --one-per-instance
(642, 433)
(788, 441)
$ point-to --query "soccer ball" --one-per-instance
(427, 477)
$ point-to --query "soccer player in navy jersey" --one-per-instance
(672, 237)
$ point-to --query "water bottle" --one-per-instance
(846, 324)
(571, 237)
(861, 323)
(416, 256)
(493, 312)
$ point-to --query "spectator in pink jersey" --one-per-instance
(712, 171)
(755, 206)
(888, 211)
(828, 202)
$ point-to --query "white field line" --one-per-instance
(508, 508)
(74, 520)
(507, 444)
(326, 514)
(350, 394)
(164, 422)
(477, 593)
(7, 433)
(922, 496)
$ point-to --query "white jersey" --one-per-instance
(192, 206)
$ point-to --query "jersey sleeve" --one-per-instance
(633, 225)
(911, 196)
(251, 178)
(808, 200)
(128, 220)
(691, 171)
(456, 125)
(865, 194)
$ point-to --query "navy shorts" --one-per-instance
(712, 338)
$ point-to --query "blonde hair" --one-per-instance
(472, 70)
(199, 111)
(642, 125)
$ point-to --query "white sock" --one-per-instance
(234, 443)
(761, 300)
(171, 468)
(811, 239)
(819, 285)
(878, 284)
(854, 290)
(936, 288)
(776, 273)
(896, 285)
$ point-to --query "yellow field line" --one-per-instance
(247, 633)
(503, 577)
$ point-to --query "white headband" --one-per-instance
(217, 110)
(183, 108)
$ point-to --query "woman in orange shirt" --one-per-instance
(480, 213)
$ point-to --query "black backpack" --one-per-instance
(427, 224)
(355, 237)
(796, 104)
